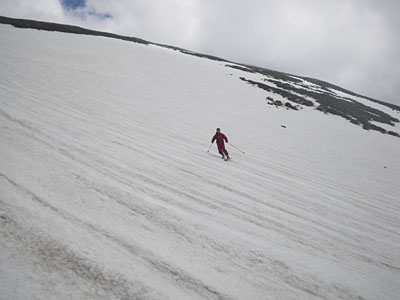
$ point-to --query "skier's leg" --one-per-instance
(226, 153)
(221, 150)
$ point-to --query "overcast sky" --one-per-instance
(352, 43)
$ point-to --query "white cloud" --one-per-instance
(49, 10)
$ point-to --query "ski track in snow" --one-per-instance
(107, 191)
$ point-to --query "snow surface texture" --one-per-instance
(107, 190)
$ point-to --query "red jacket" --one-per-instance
(220, 137)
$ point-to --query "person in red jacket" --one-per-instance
(220, 138)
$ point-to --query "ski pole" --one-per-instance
(209, 148)
(236, 148)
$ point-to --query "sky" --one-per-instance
(351, 43)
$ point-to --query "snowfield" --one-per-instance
(107, 190)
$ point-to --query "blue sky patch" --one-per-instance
(73, 4)
(99, 15)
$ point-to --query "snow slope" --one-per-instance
(107, 191)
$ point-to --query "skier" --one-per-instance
(220, 137)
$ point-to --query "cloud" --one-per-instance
(351, 43)
(48, 10)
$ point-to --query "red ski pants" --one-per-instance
(221, 149)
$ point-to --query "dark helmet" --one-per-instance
(218, 129)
